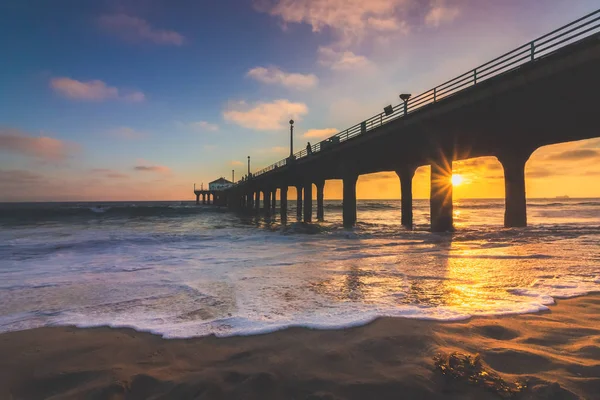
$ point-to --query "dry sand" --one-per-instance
(556, 353)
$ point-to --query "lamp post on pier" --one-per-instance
(291, 138)
(404, 97)
(248, 166)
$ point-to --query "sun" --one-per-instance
(457, 180)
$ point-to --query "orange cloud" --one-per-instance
(94, 90)
(342, 60)
(320, 133)
(135, 29)
(275, 76)
(440, 14)
(41, 147)
(265, 116)
(161, 169)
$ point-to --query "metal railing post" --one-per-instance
(532, 51)
(435, 94)
(475, 76)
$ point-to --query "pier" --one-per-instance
(543, 92)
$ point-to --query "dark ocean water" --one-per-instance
(183, 270)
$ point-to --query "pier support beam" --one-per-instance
(203, 198)
(320, 210)
(257, 201)
(440, 201)
(197, 198)
(406, 174)
(267, 202)
(299, 202)
(515, 212)
(308, 202)
(283, 203)
(273, 200)
(349, 201)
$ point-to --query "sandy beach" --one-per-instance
(548, 355)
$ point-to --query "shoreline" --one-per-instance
(554, 353)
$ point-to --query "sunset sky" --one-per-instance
(140, 99)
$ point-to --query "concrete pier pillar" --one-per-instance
(349, 201)
(273, 201)
(406, 174)
(440, 201)
(308, 202)
(299, 202)
(283, 203)
(267, 201)
(208, 198)
(320, 210)
(203, 198)
(197, 198)
(257, 201)
(515, 203)
(250, 201)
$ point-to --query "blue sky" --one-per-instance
(139, 99)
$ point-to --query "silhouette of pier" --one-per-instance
(541, 93)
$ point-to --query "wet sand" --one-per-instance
(548, 355)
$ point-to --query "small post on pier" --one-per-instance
(283, 203)
(349, 201)
(248, 166)
(299, 202)
(320, 207)
(308, 202)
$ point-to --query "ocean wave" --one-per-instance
(33, 214)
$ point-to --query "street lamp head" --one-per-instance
(291, 122)
(405, 96)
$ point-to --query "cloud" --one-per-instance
(44, 148)
(274, 76)
(348, 19)
(440, 14)
(109, 173)
(265, 116)
(146, 167)
(236, 163)
(19, 177)
(94, 90)
(341, 60)
(320, 133)
(124, 132)
(579, 154)
(203, 126)
(134, 29)
(387, 25)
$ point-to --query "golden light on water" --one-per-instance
(457, 180)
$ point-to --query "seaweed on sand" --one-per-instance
(464, 368)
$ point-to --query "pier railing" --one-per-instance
(587, 25)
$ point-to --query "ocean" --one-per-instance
(181, 270)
